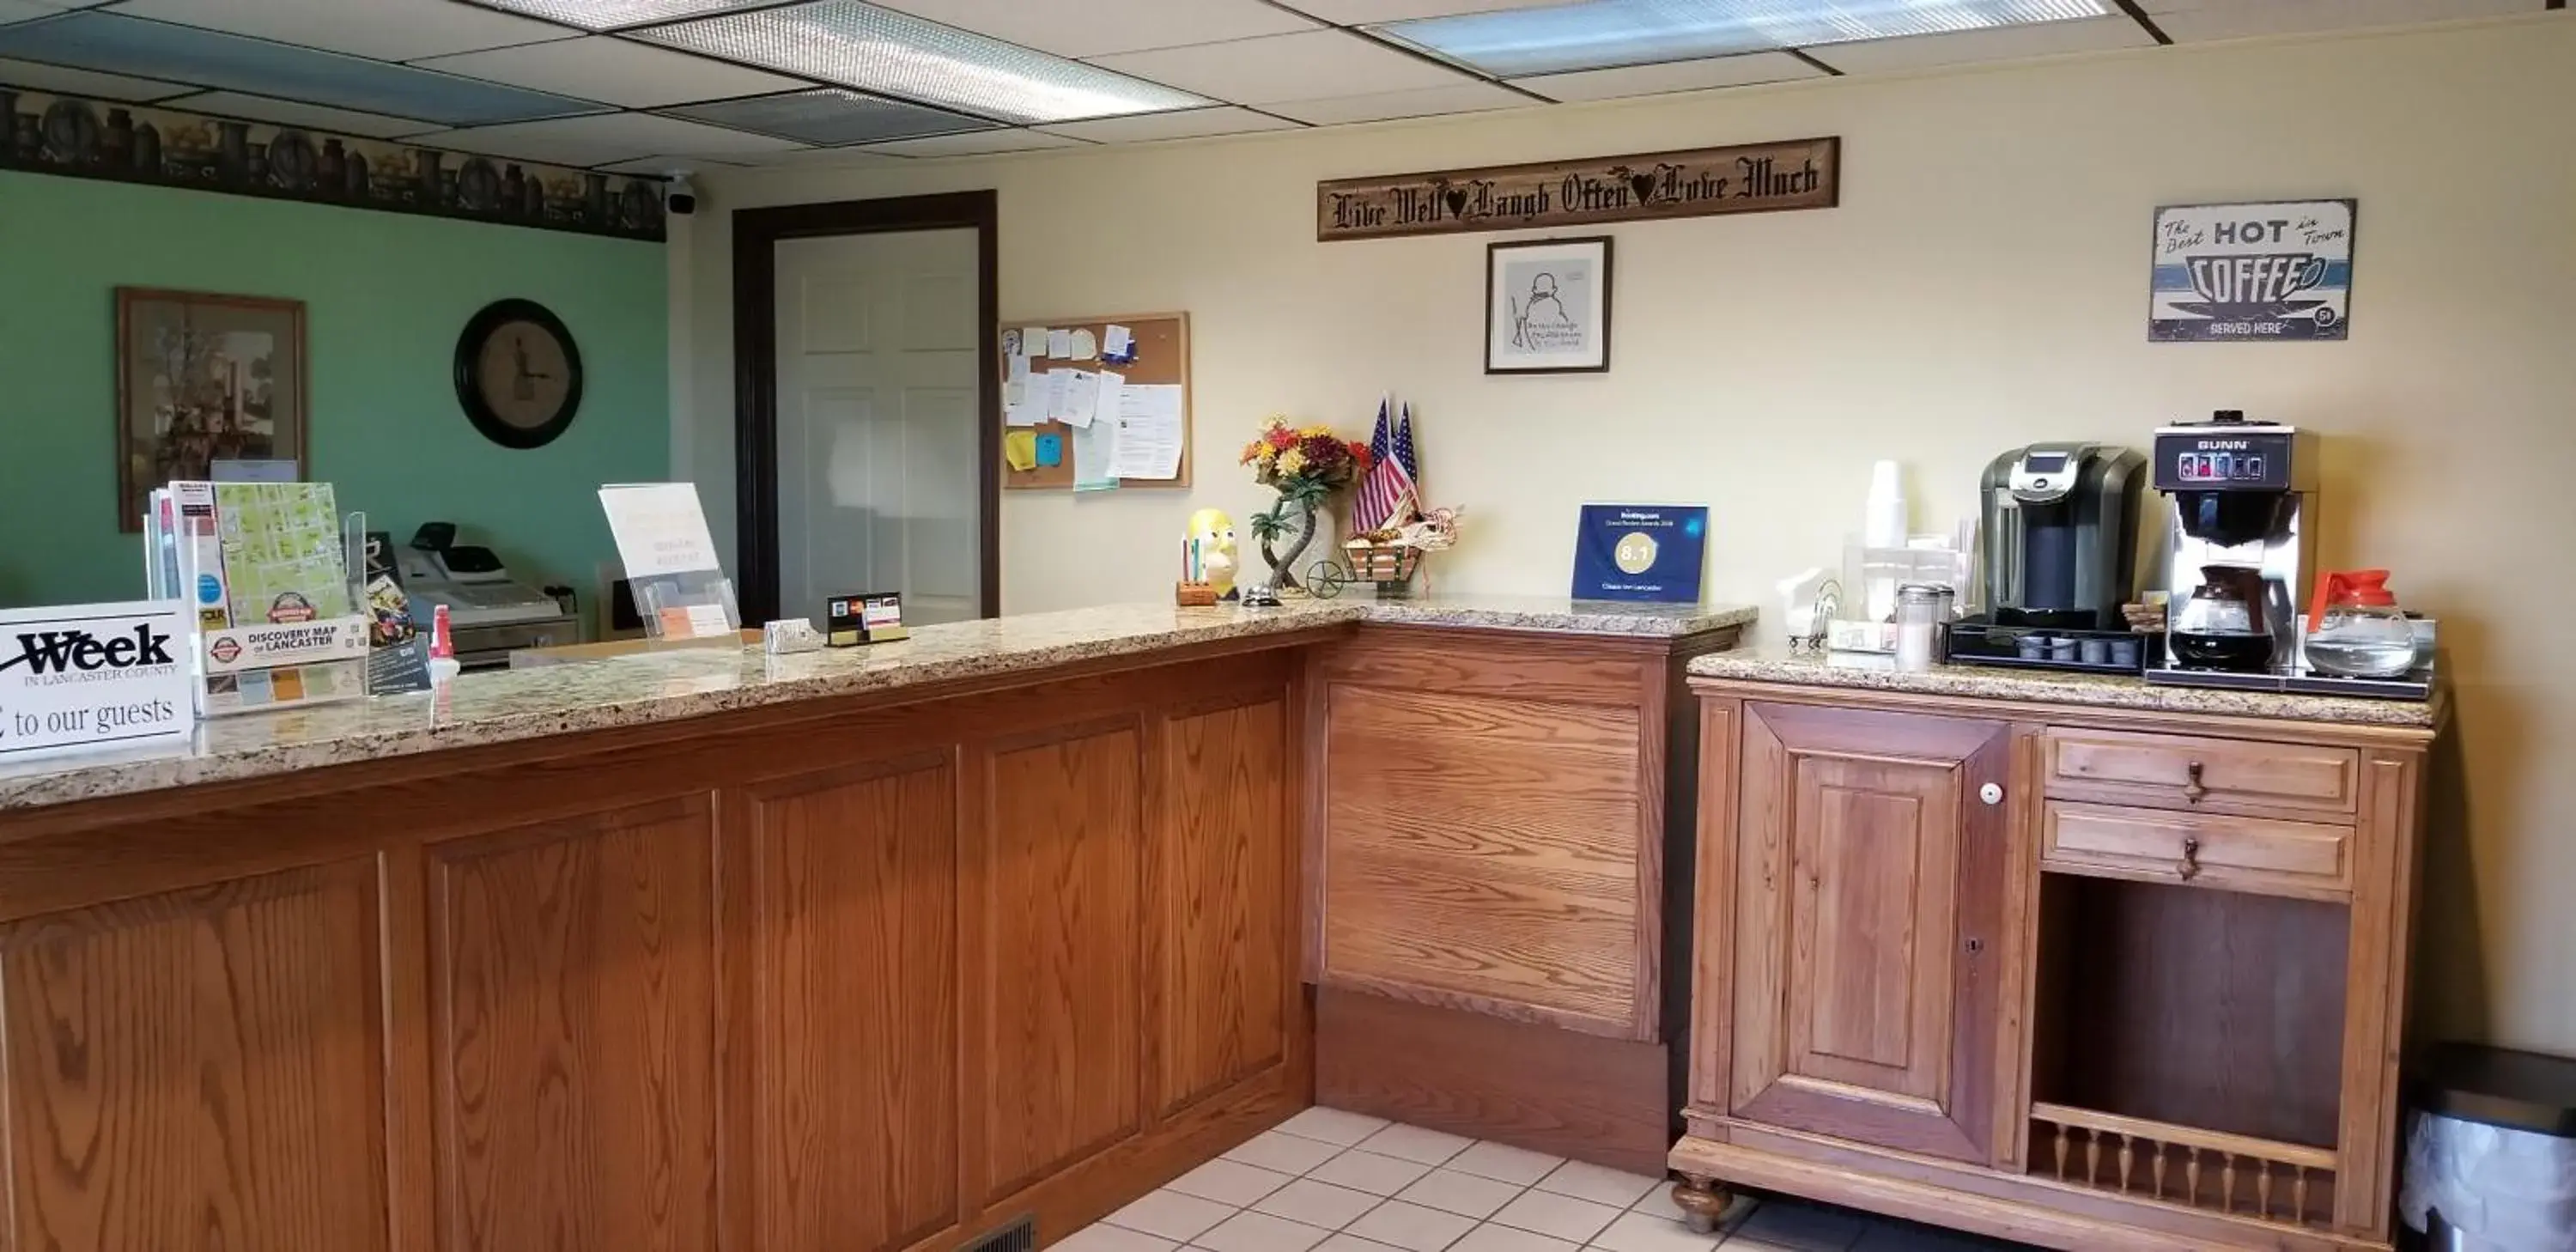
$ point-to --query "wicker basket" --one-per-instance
(1380, 562)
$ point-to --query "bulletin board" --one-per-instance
(1162, 346)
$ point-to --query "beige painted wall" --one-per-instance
(1983, 285)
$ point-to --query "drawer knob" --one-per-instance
(2190, 858)
(2191, 789)
(1991, 793)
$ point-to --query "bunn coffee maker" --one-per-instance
(2061, 535)
(2243, 499)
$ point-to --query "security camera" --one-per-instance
(679, 197)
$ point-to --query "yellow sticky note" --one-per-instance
(1020, 448)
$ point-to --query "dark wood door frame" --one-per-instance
(756, 233)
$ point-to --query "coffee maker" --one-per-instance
(2061, 535)
(2240, 531)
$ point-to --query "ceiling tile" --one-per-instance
(298, 113)
(2000, 44)
(1097, 27)
(985, 143)
(2190, 21)
(615, 71)
(387, 30)
(88, 83)
(1356, 12)
(830, 117)
(1649, 80)
(605, 137)
(825, 157)
(665, 166)
(1189, 124)
(619, 14)
(853, 44)
(1309, 66)
(158, 50)
(1383, 106)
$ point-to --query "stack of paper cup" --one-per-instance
(1882, 526)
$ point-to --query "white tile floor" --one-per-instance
(1332, 1181)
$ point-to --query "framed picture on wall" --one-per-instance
(1547, 306)
(203, 378)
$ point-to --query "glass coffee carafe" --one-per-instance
(2221, 625)
(2357, 630)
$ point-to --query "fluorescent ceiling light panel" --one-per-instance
(1647, 80)
(1598, 34)
(618, 14)
(831, 117)
(136, 48)
(896, 54)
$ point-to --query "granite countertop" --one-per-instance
(1775, 665)
(508, 705)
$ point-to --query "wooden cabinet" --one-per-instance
(847, 975)
(1493, 815)
(2083, 977)
(1869, 928)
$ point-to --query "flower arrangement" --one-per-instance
(1304, 459)
(1305, 465)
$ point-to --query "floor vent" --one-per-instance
(1020, 1236)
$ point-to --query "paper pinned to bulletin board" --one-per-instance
(1096, 403)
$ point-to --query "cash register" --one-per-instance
(489, 613)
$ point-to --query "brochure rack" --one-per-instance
(264, 666)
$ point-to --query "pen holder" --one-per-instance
(1191, 595)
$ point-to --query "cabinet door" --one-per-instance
(1869, 893)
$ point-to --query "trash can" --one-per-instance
(2491, 1152)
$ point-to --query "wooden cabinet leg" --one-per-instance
(1701, 1201)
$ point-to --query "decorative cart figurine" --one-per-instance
(1394, 531)
(1388, 556)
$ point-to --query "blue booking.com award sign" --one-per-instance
(1644, 552)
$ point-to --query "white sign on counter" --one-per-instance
(93, 676)
(659, 528)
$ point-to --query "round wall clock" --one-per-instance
(518, 374)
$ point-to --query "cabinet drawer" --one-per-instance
(2205, 849)
(2181, 771)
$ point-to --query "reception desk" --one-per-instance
(868, 949)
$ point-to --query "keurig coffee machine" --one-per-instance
(2060, 526)
(2239, 540)
(2061, 535)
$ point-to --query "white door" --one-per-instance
(877, 454)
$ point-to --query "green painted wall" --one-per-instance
(385, 296)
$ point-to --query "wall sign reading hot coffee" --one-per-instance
(1703, 182)
(2281, 270)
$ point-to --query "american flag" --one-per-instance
(1404, 458)
(1387, 487)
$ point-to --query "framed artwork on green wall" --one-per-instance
(203, 378)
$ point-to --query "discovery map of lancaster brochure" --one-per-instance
(283, 556)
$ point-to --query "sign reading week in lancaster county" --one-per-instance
(93, 676)
(1702, 182)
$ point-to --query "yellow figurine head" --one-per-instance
(1214, 531)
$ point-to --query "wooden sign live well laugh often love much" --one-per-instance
(1702, 182)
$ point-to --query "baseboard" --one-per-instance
(1580, 1096)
